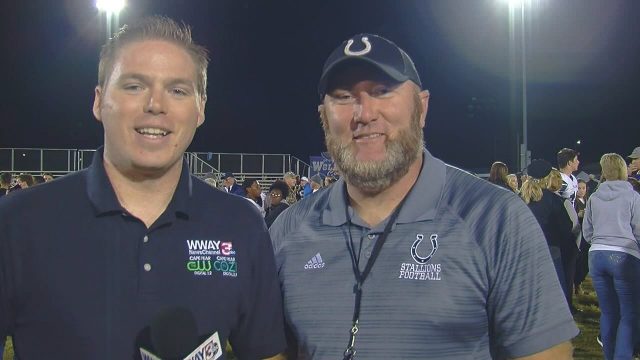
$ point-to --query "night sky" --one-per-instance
(582, 60)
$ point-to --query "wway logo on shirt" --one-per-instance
(315, 262)
(420, 269)
(203, 247)
(208, 256)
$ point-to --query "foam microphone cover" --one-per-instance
(174, 333)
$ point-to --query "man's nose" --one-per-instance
(365, 109)
(156, 104)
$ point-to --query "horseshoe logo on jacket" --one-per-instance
(414, 248)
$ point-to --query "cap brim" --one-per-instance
(387, 70)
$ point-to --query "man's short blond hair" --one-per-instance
(155, 28)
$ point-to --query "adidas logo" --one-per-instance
(315, 262)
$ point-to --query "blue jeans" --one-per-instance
(615, 277)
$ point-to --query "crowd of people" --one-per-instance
(10, 182)
(591, 232)
(281, 194)
(403, 257)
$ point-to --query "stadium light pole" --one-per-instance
(514, 5)
(112, 9)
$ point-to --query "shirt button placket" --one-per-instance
(369, 244)
(146, 266)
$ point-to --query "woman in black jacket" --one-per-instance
(549, 210)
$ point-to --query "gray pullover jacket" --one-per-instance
(612, 218)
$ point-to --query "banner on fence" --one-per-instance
(323, 165)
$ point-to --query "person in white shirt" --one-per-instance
(568, 164)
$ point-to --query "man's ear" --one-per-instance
(203, 102)
(424, 103)
(97, 103)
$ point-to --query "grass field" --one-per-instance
(586, 347)
(588, 320)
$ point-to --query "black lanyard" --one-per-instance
(350, 352)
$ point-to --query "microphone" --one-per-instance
(174, 336)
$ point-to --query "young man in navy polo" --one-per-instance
(89, 261)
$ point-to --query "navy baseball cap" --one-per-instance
(539, 169)
(375, 50)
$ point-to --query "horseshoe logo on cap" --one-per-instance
(367, 47)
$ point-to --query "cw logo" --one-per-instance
(200, 265)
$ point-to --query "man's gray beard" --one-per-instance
(373, 177)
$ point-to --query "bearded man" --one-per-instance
(406, 257)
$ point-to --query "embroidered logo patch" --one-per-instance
(315, 262)
(209, 256)
(367, 47)
(414, 248)
(420, 269)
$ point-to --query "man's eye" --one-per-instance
(382, 91)
(133, 87)
(180, 92)
(342, 98)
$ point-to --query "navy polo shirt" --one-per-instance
(80, 278)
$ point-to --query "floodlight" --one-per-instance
(110, 6)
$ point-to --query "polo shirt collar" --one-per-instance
(424, 198)
(184, 191)
(334, 213)
(104, 199)
(421, 204)
(99, 189)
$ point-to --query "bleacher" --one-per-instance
(265, 167)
